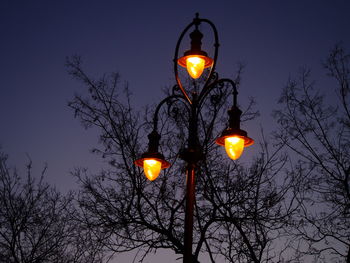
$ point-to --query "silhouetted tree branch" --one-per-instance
(37, 223)
(241, 212)
(317, 129)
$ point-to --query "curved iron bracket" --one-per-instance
(170, 99)
(218, 84)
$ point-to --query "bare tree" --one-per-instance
(36, 222)
(240, 211)
(317, 130)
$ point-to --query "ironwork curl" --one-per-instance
(170, 100)
(214, 77)
(219, 84)
(175, 89)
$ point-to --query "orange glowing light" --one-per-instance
(152, 168)
(195, 66)
(234, 147)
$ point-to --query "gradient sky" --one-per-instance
(137, 39)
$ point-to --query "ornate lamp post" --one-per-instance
(195, 60)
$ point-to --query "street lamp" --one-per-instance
(195, 60)
(152, 161)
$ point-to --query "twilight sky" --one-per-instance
(137, 39)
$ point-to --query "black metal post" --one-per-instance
(190, 199)
(191, 155)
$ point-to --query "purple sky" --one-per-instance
(137, 39)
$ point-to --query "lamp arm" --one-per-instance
(234, 90)
(217, 84)
(168, 99)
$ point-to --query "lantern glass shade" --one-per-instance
(234, 141)
(195, 64)
(151, 168)
(234, 147)
(152, 164)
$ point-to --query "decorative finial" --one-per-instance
(196, 20)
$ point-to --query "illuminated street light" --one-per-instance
(195, 60)
(152, 161)
(233, 138)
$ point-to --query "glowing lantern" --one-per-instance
(195, 66)
(234, 147)
(152, 168)
(195, 60)
(152, 161)
(233, 138)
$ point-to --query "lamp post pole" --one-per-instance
(191, 155)
(190, 199)
(233, 138)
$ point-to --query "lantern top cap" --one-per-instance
(155, 156)
(232, 132)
